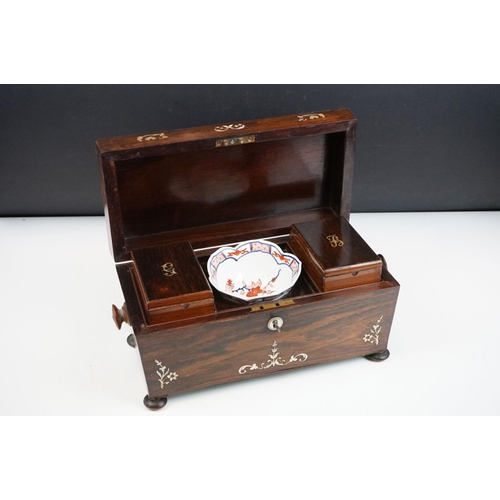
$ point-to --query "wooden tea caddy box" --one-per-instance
(172, 198)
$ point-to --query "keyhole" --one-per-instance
(275, 324)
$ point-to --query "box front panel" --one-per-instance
(185, 359)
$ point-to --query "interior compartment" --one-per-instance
(303, 286)
(308, 283)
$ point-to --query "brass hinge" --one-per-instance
(235, 141)
(271, 305)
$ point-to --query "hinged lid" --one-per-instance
(334, 254)
(171, 283)
(335, 247)
(186, 185)
(169, 275)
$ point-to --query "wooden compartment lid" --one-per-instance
(334, 254)
(170, 275)
(191, 184)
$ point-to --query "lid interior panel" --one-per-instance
(200, 188)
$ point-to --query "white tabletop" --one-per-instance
(62, 355)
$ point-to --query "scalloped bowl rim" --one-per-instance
(212, 271)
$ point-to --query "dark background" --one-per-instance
(419, 147)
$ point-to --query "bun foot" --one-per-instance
(131, 340)
(378, 356)
(154, 404)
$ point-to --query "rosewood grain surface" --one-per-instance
(135, 311)
(269, 128)
(213, 352)
(170, 274)
(334, 254)
(201, 188)
(185, 183)
(171, 283)
(227, 233)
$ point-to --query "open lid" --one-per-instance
(185, 185)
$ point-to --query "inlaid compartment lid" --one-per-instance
(207, 184)
(334, 247)
(169, 275)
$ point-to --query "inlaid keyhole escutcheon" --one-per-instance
(275, 324)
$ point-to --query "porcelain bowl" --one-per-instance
(252, 271)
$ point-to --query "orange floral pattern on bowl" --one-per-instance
(253, 270)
